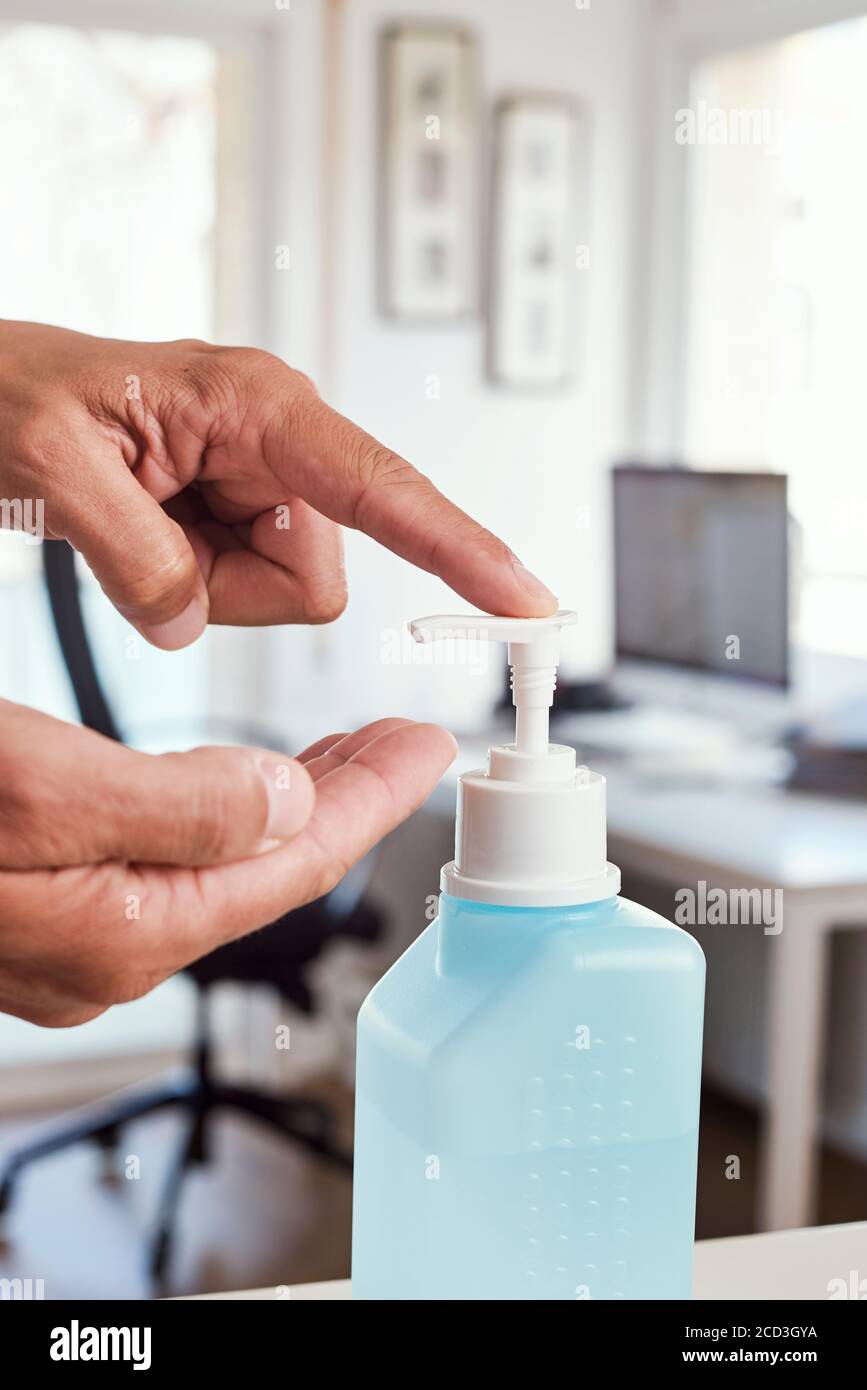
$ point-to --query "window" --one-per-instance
(109, 178)
(777, 299)
(108, 169)
(108, 160)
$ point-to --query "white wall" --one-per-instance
(523, 464)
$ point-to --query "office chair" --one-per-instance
(278, 955)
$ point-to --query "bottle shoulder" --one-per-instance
(472, 959)
(630, 915)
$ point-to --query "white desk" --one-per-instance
(815, 850)
(787, 1265)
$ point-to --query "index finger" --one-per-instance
(349, 476)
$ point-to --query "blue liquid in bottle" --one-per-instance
(527, 1108)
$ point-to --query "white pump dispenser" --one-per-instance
(530, 828)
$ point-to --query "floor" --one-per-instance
(262, 1213)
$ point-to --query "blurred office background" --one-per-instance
(242, 170)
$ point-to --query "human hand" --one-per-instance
(204, 483)
(119, 868)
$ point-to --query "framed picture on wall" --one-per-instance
(429, 182)
(538, 217)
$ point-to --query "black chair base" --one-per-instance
(305, 1121)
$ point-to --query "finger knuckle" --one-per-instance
(251, 358)
(34, 434)
(380, 465)
(377, 468)
(195, 346)
(324, 603)
(305, 381)
(208, 381)
(295, 397)
(159, 591)
(252, 363)
(238, 376)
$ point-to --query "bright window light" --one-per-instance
(109, 178)
(778, 299)
(108, 168)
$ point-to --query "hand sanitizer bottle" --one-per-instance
(528, 1071)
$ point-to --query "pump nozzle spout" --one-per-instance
(531, 729)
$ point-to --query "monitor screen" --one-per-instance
(701, 571)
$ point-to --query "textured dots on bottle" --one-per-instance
(532, 1217)
(576, 1214)
(533, 1188)
(534, 1116)
(564, 1121)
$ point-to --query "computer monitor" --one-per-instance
(701, 570)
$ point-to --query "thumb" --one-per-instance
(214, 805)
(143, 561)
(82, 799)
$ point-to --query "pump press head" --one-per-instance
(530, 828)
